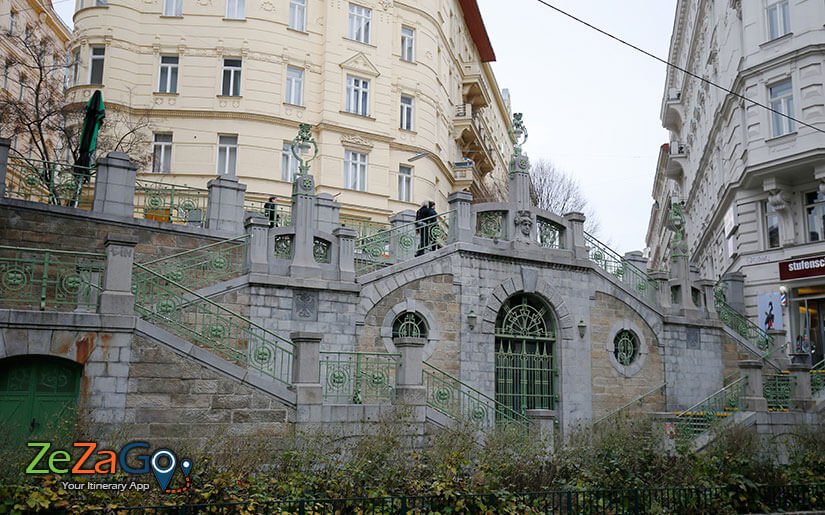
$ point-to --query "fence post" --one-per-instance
(754, 398)
(662, 288)
(306, 374)
(735, 293)
(115, 185)
(460, 229)
(575, 234)
(117, 298)
(542, 422)
(257, 258)
(346, 252)
(304, 221)
(800, 371)
(5, 144)
(396, 242)
(224, 208)
(409, 379)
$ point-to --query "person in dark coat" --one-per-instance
(271, 209)
(421, 227)
(431, 221)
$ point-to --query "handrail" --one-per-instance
(626, 272)
(414, 225)
(190, 251)
(717, 392)
(634, 401)
(740, 323)
(70, 252)
(358, 377)
(698, 418)
(173, 185)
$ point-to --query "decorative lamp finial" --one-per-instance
(305, 143)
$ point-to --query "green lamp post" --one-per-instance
(302, 145)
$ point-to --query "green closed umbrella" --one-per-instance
(95, 113)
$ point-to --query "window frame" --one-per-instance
(164, 148)
(12, 17)
(294, 7)
(240, 10)
(170, 68)
(172, 8)
(359, 25)
(358, 96)
(405, 183)
(818, 214)
(291, 89)
(768, 213)
(408, 44)
(75, 64)
(6, 72)
(778, 11)
(784, 103)
(407, 113)
(22, 84)
(93, 59)
(233, 81)
(289, 163)
(355, 170)
(231, 155)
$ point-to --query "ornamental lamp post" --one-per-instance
(302, 145)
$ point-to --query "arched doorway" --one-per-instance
(525, 354)
(38, 395)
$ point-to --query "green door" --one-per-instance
(38, 395)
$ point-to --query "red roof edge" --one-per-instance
(472, 16)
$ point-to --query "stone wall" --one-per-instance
(694, 362)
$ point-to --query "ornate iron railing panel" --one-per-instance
(197, 319)
(526, 378)
(283, 246)
(740, 323)
(364, 228)
(49, 182)
(358, 377)
(282, 214)
(401, 243)
(639, 402)
(492, 225)
(50, 279)
(464, 403)
(699, 418)
(550, 235)
(205, 265)
(778, 390)
(321, 250)
(173, 203)
(635, 279)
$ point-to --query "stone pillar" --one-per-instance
(663, 288)
(117, 298)
(461, 224)
(306, 369)
(754, 398)
(409, 378)
(800, 371)
(304, 220)
(257, 252)
(346, 252)
(5, 144)
(224, 212)
(735, 292)
(397, 251)
(680, 277)
(115, 185)
(575, 234)
(543, 424)
(327, 212)
(637, 259)
(520, 183)
(706, 287)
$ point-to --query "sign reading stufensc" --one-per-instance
(805, 267)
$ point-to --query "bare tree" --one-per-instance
(558, 192)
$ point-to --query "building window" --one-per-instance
(168, 75)
(405, 183)
(359, 23)
(236, 9)
(289, 163)
(231, 78)
(782, 103)
(6, 69)
(172, 7)
(406, 113)
(96, 64)
(407, 44)
(298, 14)
(294, 86)
(355, 171)
(227, 154)
(162, 153)
(12, 16)
(779, 19)
(75, 67)
(815, 211)
(625, 347)
(771, 226)
(409, 325)
(22, 87)
(358, 95)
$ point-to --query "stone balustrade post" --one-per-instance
(461, 223)
(5, 145)
(304, 221)
(637, 259)
(754, 398)
(409, 377)
(662, 288)
(575, 234)
(397, 250)
(117, 298)
(777, 341)
(542, 425)
(706, 287)
(257, 251)
(327, 212)
(115, 185)
(346, 252)
(800, 370)
(306, 368)
(224, 211)
(735, 291)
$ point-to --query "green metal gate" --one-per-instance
(525, 362)
(38, 395)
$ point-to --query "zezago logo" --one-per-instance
(162, 462)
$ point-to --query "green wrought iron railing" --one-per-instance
(280, 215)
(492, 224)
(817, 378)
(550, 235)
(639, 402)
(205, 265)
(462, 402)
(358, 377)
(364, 228)
(778, 390)
(740, 323)
(50, 279)
(197, 319)
(401, 243)
(720, 405)
(50, 182)
(635, 279)
(164, 202)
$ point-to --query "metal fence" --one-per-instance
(740, 323)
(50, 182)
(699, 418)
(632, 277)
(280, 215)
(358, 377)
(164, 202)
(778, 390)
(364, 228)
(674, 500)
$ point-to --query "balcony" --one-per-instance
(672, 111)
(464, 172)
(676, 160)
(474, 138)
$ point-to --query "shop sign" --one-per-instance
(805, 267)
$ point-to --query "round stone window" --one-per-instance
(409, 325)
(626, 347)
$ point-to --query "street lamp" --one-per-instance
(302, 145)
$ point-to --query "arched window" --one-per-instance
(525, 345)
(409, 325)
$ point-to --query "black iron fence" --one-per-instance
(740, 499)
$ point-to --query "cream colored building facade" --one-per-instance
(378, 81)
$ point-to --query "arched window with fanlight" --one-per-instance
(525, 354)
(409, 325)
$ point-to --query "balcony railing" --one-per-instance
(50, 182)
(164, 202)
(358, 377)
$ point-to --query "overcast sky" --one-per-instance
(591, 105)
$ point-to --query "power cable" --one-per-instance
(683, 70)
